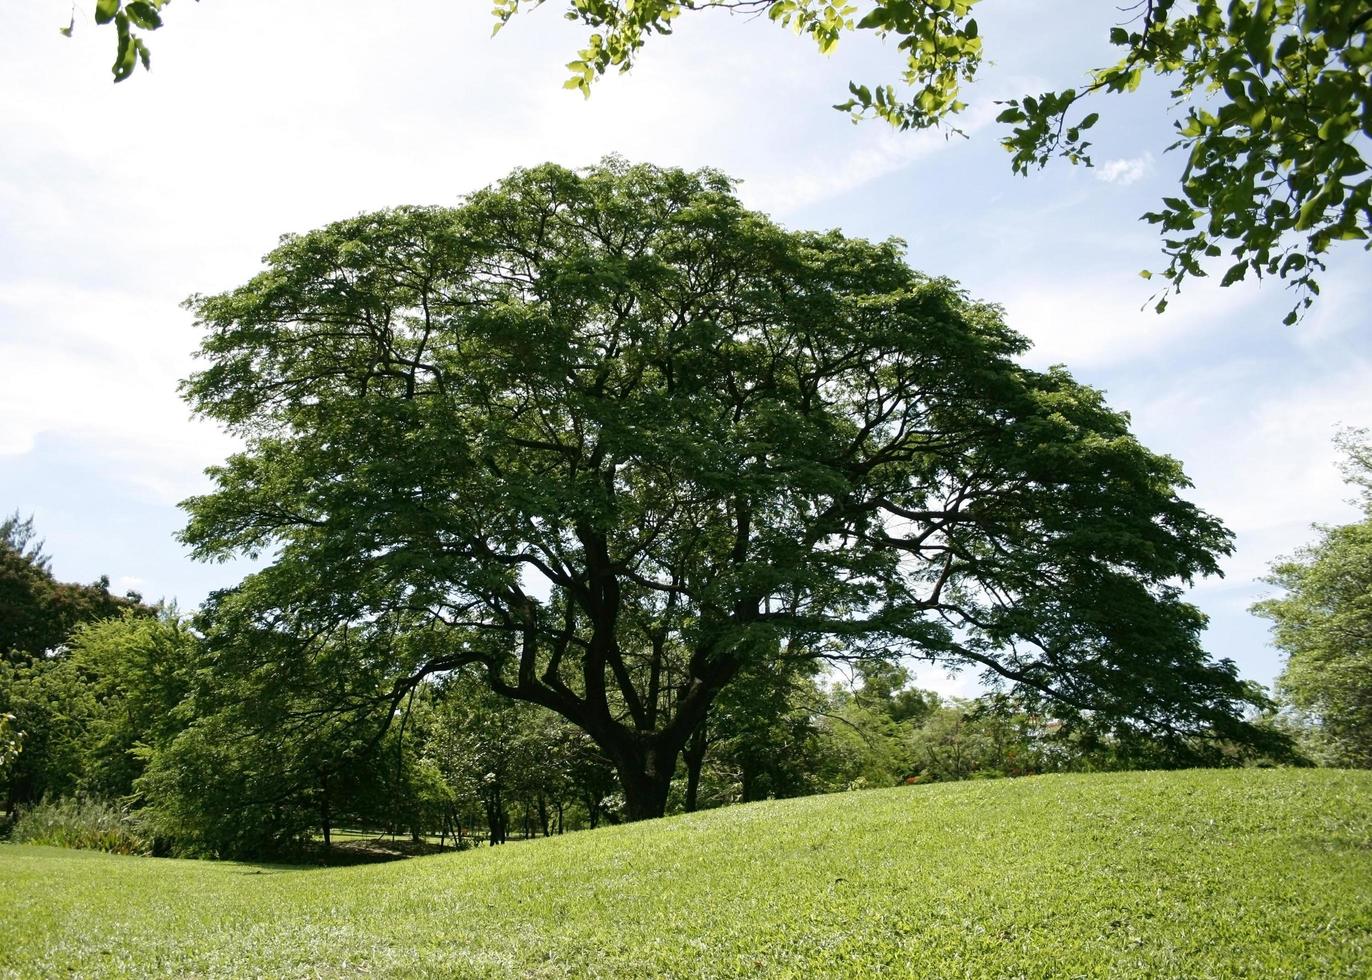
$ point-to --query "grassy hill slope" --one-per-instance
(1259, 873)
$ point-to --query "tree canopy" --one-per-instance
(1324, 623)
(617, 442)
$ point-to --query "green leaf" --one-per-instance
(144, 15)
(1236, 272)
(105, 10)
(1310, 212)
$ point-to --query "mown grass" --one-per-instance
(1258, 873)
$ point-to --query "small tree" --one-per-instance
(1324, 622)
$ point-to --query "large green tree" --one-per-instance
(1323, 623)
(586, 419)
(1271, 96)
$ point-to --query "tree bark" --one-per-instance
(694, 756)
(324, 814)
(645, 774)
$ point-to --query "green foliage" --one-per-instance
(256, 769)
(763, 739)
(11, 741)
(966, 740)
(218, 791)
(138, 671)
(720, 443)
(507, 762)
(1242, 873)
(90, 711)
(128, 19)
(1324, 625)
(88, 823)
(1272, 98)
(37, 612)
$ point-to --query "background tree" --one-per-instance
(761, 740)
(960, 739)
(11, 742)
(92, 712)
(621, 390)
(1324, 622)
(273, 752)
(58, 689)
(37, 612)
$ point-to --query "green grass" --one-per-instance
(1257, 873)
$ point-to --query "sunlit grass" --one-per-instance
(1257, 873)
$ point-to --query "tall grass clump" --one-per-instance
(91, 824)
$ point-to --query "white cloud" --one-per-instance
(880, 151)
(128, 583)
(1126, 171)
(116, 202)
(945, 682)
(1261, 454)
(99, 367)
(1097, 320)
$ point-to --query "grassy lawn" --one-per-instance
(1257, 873)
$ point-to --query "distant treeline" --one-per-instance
(108, 699)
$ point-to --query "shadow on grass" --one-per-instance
(347, 853)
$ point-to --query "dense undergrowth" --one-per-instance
(89, 824)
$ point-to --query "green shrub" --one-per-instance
(84, 823)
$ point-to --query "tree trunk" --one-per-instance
(645, 797)
(496, 818)
(646, 778)
(694, 756)
(324, 814)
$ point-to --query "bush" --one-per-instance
(83, 823)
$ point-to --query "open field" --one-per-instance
(1256, 873)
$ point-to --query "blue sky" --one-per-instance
(262, 117)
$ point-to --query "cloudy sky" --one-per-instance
(267, 116)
